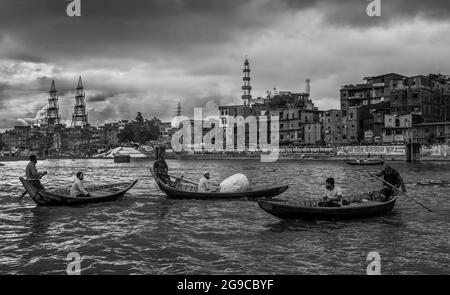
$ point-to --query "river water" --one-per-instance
(145, 233)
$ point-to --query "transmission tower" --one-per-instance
(79, 117)
(52, 117)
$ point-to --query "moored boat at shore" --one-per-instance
(101, 193)
(188, 191)
(354, 210)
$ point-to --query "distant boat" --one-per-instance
(1, 164)
(366, 162)
(102, 193)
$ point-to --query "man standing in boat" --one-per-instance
(333, 194)
(77, 190)
(33, 175)
(161, 169)
(393, 177)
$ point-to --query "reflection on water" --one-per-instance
(145, 233)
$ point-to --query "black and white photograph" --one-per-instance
(234, 140)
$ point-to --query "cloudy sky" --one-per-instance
(148, 55)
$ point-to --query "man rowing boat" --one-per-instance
(33, 175)
(161, 169)
(393, 177)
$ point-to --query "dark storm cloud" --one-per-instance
(98, 98)
(41, 30)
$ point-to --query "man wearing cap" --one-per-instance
(204, 185)
(32, 174)
(393, 177)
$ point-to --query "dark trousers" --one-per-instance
(388, 193)
(163, 177)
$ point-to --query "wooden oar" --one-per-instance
(182, 179)
(405, 194)
(22, 195)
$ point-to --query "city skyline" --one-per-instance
(148, 56)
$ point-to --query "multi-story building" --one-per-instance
(336, 128)
(376, 89)
(428, 96)
(294, 110)
(312, 133)
(399, 128)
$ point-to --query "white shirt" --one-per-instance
(77, 188)
(332, 194)
(204, 185)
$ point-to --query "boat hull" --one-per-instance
(47, 198)
(174, 193)
(286, 211)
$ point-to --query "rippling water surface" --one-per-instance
(145, 233)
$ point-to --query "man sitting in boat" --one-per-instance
(161, 169)
(393, 177)
(77, 190)
(333, 195)
(204, 185)
(32, 174)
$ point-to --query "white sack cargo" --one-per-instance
(235, 183)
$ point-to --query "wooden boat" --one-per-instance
(101, 193)
(354, 210)
(1, 164)
(188, 191)
(365, 162)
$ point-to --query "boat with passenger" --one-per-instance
(188, 190)
(62, 197)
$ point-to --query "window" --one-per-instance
(281, 125)
(388, 132)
